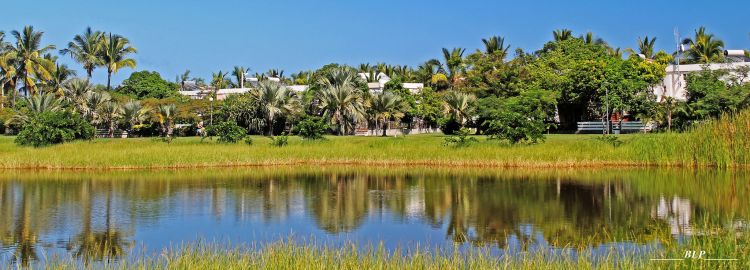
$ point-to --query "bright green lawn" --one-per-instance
(557, 150)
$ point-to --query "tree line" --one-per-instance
(510, 95)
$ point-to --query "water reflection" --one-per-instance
(102, 216)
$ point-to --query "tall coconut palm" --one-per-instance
(74, 93)
(8, 75)
(31, 63)
(109, 113)
(496, 44)
(459, 106)
(114, 54)
(59, 76)
(704, 48)
(562, 34)
(86, 49)
(589, 39)
(133, 113)
(239, 75)
(343, 104)
(274, 100)
(341, 76)
(219, 80)
(166, 114)
(386, 106)
(453, 63)
(645, 47)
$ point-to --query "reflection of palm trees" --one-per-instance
(98, 246)
(25, 237)
(339, 205)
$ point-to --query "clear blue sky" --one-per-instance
(207, 36)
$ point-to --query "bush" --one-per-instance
(610, 139)
(49, 128)
(248, 140)
(461, 139)
(228, 132)
(312, 128)
(449, 126)
(280, 140)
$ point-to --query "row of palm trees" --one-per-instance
(97, 107)
(27, 64)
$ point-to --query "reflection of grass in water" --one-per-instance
(722, 143)
(293, 255)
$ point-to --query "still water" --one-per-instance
(142, 212)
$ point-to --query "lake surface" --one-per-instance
(98, 215)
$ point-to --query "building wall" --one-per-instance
(674, 84)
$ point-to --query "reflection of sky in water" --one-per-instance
(500, 215)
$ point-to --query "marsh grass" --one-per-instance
(721, 143)
(290, 254)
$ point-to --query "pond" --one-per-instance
(120, 213)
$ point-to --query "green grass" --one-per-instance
(309, 255)
(558, 150)
(720, 143)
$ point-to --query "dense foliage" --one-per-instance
(228, 132)
(148, 84)
(312, 128)
(49, 128)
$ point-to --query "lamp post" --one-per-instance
(211, 99)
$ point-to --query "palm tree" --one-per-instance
(386, 106)
(562, 34)
(459, 106)
(239, 75)
(133, 113)
(219, 80)
(110, 112)
(75, 92)
(86, 49)
(114, 54)
(454, 63)
(704, 48)
(344, 104)
(37, 104)
(166, 114)
(94, 102)
(32, 64)
(589, 39)
(59, 76)
(496, 44)
(274, 100)
(645, 47)
(8, 75)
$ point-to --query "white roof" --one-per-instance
(413, 85)
(298, 88)
(699, 67)
(232, 91)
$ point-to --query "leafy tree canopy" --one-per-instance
(148, 84)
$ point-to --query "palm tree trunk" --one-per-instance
(109, 80)
(385, 127)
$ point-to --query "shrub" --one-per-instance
(461, 139)
(280, 140)
(312, 128)
(49, 128)
(449, 126)
(228, 132)
(248, 140)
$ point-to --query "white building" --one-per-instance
(675, 86)
(382, 79)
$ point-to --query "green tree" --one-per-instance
(148, 84)
(239, 75)
(32, 64)
(459, 106)
(274, 101)
(522, 118)
(343, 104)
(59, 76)
(704, 48)
(53, 127)
(114, 54)
(387, 106)
(86, 49)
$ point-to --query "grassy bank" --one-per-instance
(292, 255)
(721, 143)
